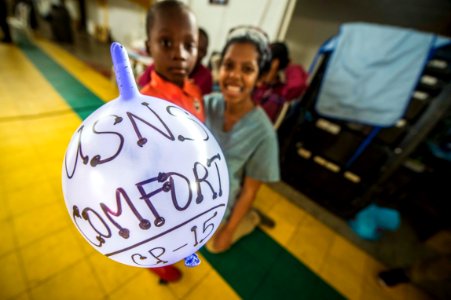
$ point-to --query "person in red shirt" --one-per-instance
(172, 39)
(201, 75)
(283, 82)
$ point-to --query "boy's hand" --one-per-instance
(271, 76)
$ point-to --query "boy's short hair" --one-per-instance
(162, 6)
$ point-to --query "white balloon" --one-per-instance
(144, 181)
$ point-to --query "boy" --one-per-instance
(172, 38)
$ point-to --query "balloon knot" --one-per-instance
(192, 261)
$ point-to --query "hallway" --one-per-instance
(45, 92)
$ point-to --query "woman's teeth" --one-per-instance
(233, 88)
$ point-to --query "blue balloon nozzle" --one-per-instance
(123, 72)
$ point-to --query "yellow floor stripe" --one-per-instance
(23, 91)
(104, 88)
(337, 261)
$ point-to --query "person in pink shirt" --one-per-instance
(283, 82)
(200, 74)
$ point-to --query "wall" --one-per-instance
(127, 19)
(43, 7)
(306, 35)
(315, 21)
(218, 19)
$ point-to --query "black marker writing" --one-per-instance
(96, 160)
(137, 122)
(172, 184)
(177, 111)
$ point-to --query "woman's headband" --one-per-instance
(256, 35)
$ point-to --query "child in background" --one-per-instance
(201, 75)
(244, 132)
(172, 37)
(283, 82)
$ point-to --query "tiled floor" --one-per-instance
(42, 255)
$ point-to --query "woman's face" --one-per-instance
(238, 73)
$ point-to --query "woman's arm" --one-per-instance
(242, 206)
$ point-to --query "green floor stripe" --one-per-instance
(259, 268)
(256, 267)
(81, 99)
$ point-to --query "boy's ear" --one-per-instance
(146, 44)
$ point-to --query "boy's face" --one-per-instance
(173, 45)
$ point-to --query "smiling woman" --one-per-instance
(244, 132)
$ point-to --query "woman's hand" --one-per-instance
(223, 239)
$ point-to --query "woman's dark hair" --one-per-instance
(280, 51)
(254, 36)
(162, 6)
